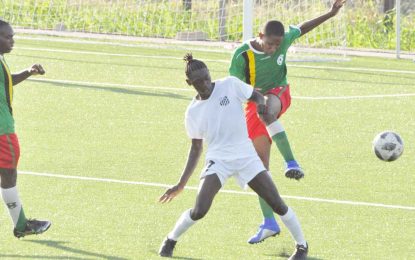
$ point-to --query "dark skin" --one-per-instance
(9, 176)
(210, 185)
(269, 44)
(6, 46)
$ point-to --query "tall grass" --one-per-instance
(370, 28)
(365, 25)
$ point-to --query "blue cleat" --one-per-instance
(293, 170)
(268, 229)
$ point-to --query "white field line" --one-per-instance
(98, 53)
(355, 97)
(99, 84)
(227, 47)
(211, 60)
(137, 42)
(354, 69)
(172, 89)
(152, 184)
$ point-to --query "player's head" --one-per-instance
(271, 36)
(6, 37)
(197, 73)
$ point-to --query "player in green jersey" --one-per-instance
(260, 62)
(9, 144)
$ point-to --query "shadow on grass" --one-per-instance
(176, 257)
(374, 73)
(61, 245)
(11, 256)
(117, 90)
(286, 253)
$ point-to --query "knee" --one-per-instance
(273, 107)
(269, 118)
(280, 208)
(8, 178)
(197, 213)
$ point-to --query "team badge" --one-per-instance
(224, 101)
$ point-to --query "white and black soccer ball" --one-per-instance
(388, 146)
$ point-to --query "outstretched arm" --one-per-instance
(192, 160)
(36, 69)
(310, 25)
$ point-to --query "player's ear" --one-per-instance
(189, 82)
(261, 35)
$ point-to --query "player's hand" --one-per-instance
(170, 193)
(36, 69)
(336, 6)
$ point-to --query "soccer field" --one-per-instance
(102, 136)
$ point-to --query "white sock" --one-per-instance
(14, 205)
(291, 222)
(182, 225)
(275, 128)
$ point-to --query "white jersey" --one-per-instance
(220, 120)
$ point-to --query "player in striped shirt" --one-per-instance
(260, 62)
(9, 144)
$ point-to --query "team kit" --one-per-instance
(236, 117)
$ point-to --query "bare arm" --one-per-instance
(36, 69)
(192, 160)
(310, 25)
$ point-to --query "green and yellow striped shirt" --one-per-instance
(6, 99)
(259, 69)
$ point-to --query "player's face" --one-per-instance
(6, 39)
(271, 43)
(200, 79)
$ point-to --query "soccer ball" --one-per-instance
(388, 146)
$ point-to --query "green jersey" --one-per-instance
(6, 99)
(259, 69)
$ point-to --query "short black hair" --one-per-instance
(192, 64)
(273, 28)
(3, 23)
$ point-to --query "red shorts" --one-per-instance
(255, 126)
(9, 151)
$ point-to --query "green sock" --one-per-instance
(267, 211)
(283, 146)
(21, 222)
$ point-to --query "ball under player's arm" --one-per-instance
(192, 160)
(310, 25)
(36, 69)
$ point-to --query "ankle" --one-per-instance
(270, 221)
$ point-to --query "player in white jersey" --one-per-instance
(216, 116)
